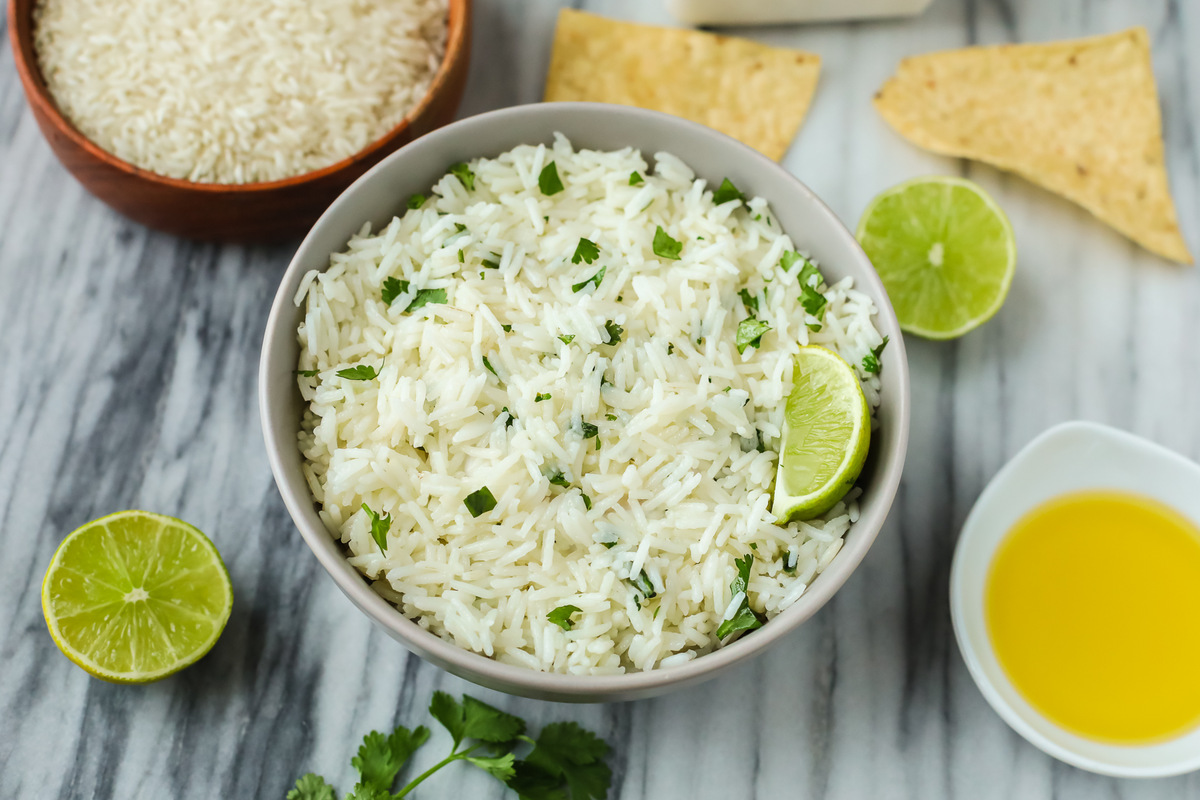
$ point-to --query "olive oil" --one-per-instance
(1093, 609)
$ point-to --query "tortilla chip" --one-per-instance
(1078, 117)
(752, 92)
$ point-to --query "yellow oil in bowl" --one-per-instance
(1093, 609)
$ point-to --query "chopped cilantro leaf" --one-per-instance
(508, 423)
(644, 585)
(670, 348)
(814, 327)
(461, 260)
(308, 373)
(789, 259)
(611, 417)
(460, 228)
(664, 246)
(362, 372)
(548, 180)
(594, 280)
(761, 446)
(480, 502)
(465, 176)
(750, 332)
(587, 501)
(488, 365)
(561, 616)
(380, 525)
(870, 362)
(558, 479)
(789, 562)
(742, 580)
(426, 297)
(567, 339)
(726, 192)
(749, 300)
(745, 618)
(393, 288)
(812, 300)
(806, 274)
(585, 251)
(539, 397)
(635, 179)
(589, 430)
(614, 332)
(493, 262)
(416, 201)
(506, 328)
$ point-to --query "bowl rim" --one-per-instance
(966, 604)
(458, 15)
(570, 687)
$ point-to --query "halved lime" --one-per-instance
(826, 435)
(944, 251)
(135, 596)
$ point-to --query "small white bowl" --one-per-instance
(1070, 457)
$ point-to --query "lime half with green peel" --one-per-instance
(944, 251)
(135, 596)
(826, 435)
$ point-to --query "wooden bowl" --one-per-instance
(231, 212)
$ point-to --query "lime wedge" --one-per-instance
(134, 596)
(826, 434)
(944, 251)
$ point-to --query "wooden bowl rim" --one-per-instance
(38, 93)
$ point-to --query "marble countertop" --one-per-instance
(127, 379)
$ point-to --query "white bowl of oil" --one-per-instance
(1075, 597)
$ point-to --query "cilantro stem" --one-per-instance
(415, 782)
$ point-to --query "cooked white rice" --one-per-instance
(222, 91)
(678, 486)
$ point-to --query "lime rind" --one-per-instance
(139, 619)
(825, 439)
(900, 263)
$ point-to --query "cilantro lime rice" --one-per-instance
(543, 405)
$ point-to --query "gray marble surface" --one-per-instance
(127, 372)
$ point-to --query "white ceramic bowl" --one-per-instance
(1070, 457)
(380, 194)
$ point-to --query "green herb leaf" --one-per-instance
(761, 446)
(461, 259)
(363, 792)
(750, 332)
(311, 787)
(506, 328)
(499, 767)
(644, 585)
(789, 565)
(589, 430)
(492, 263)
(308, 373)
(393, 288)
(362, 372)
(465, 176)
(548, 180)
(561, 616)
(587, 501)
(595, 280)
(380, 758)
(488, 365)
(539, 397)
(807, 272)
(416, 201)
(474, 719)
(508, 423)
(744, 620)
(635, 179)
(585, 251)
(575, 755)
(380, 525)
(611, 417)
(726, 192)
(812, 300)
(567, 339)
(480, 501)
(870, 362)
(614, 332)
(558, 479)
(425, 297)
(749, 300)
(670, 348)
(664, 246)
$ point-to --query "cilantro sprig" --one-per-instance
(565, 761)
(586, 251)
